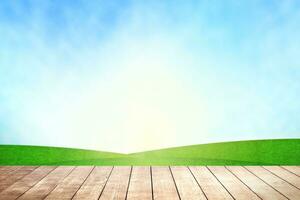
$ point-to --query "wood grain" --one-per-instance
(280, 185)
(163, 184)
(236, 188)
(140, 186)
(69, 186)
(7, 171)
(94, 185)
(28, 181)
(117, 184)
(284, 174)
(188, 187)
(258, 186)
(47, 184)
(212, 188)
(15, 176)
(293, 169)
(147, 182)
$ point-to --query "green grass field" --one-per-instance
(256, 152)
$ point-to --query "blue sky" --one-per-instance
(135, 75)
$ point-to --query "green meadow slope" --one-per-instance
(39, 155)
(255, 152)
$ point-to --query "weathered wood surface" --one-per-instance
(140, 186)
(149, 182)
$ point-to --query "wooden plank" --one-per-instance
(94, 184)
(285, 175)
(8, 171)
(5, 168)
(293, 169)
(21, 186)
(15, 176)
(163, 184)
(47, 184)
(280, 185)
(209, 184)
(140, 184)
(236, 188)
(69, 186)
(117, 184)
(251, 182)
(257, 185)
(187, 186)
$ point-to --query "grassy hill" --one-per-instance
(38, 155)
(256, 152)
